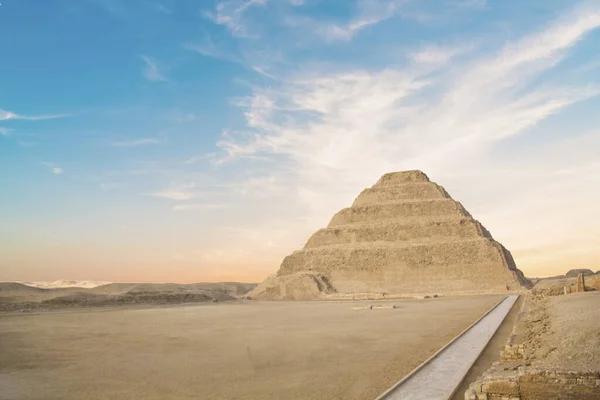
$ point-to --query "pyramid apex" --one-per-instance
(392, 178)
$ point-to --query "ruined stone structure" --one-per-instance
(537, 363)
(581, 282)
(528, 383)
(404, 235)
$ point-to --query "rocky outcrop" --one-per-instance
(405, 235)
(299, 286)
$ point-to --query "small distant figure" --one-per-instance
(507, 286)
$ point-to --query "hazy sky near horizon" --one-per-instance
(180, 140)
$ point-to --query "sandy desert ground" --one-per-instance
(246, 350)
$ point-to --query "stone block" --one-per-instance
(503, 387)
(470, 395)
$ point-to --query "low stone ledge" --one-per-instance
(504, 382)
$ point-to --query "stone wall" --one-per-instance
(527, 369)
(526, 383)
(513, 352)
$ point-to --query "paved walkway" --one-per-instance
(438, 379)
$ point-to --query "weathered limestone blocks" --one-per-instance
(513, 352)
(527, 383)
(394, 178)
(399, 231)
(442, 209)
(405, 191)
(400, 268)
(404, 235)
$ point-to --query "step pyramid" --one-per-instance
(404, 235)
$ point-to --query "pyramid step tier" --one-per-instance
(394, 178)
(395, 267)
(406, 191)
(398, 209)
(399, 230)
(378, 255)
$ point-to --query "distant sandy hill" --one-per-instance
(19, 296)
(16, 287)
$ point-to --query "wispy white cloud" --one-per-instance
(53, 168)
(346, 99)
(151, 71)
(7, 115)
(476, 4)
(209, 49)
(201, 157)
(137, 142)
(436, 54)
(192, 207)
(160, 7)
(173, 195)
(368, 13)
(185, 118)
(231, 15)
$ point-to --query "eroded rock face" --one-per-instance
(299, 286)
(404, 235)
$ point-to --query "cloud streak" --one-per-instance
(476, 4)
(151, 71)
(209, 49)
(8, 115)
(137, 142)
(367, 13)
(53, 168)
(172, 195)
(231, 15)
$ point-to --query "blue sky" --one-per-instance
(205, 140)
